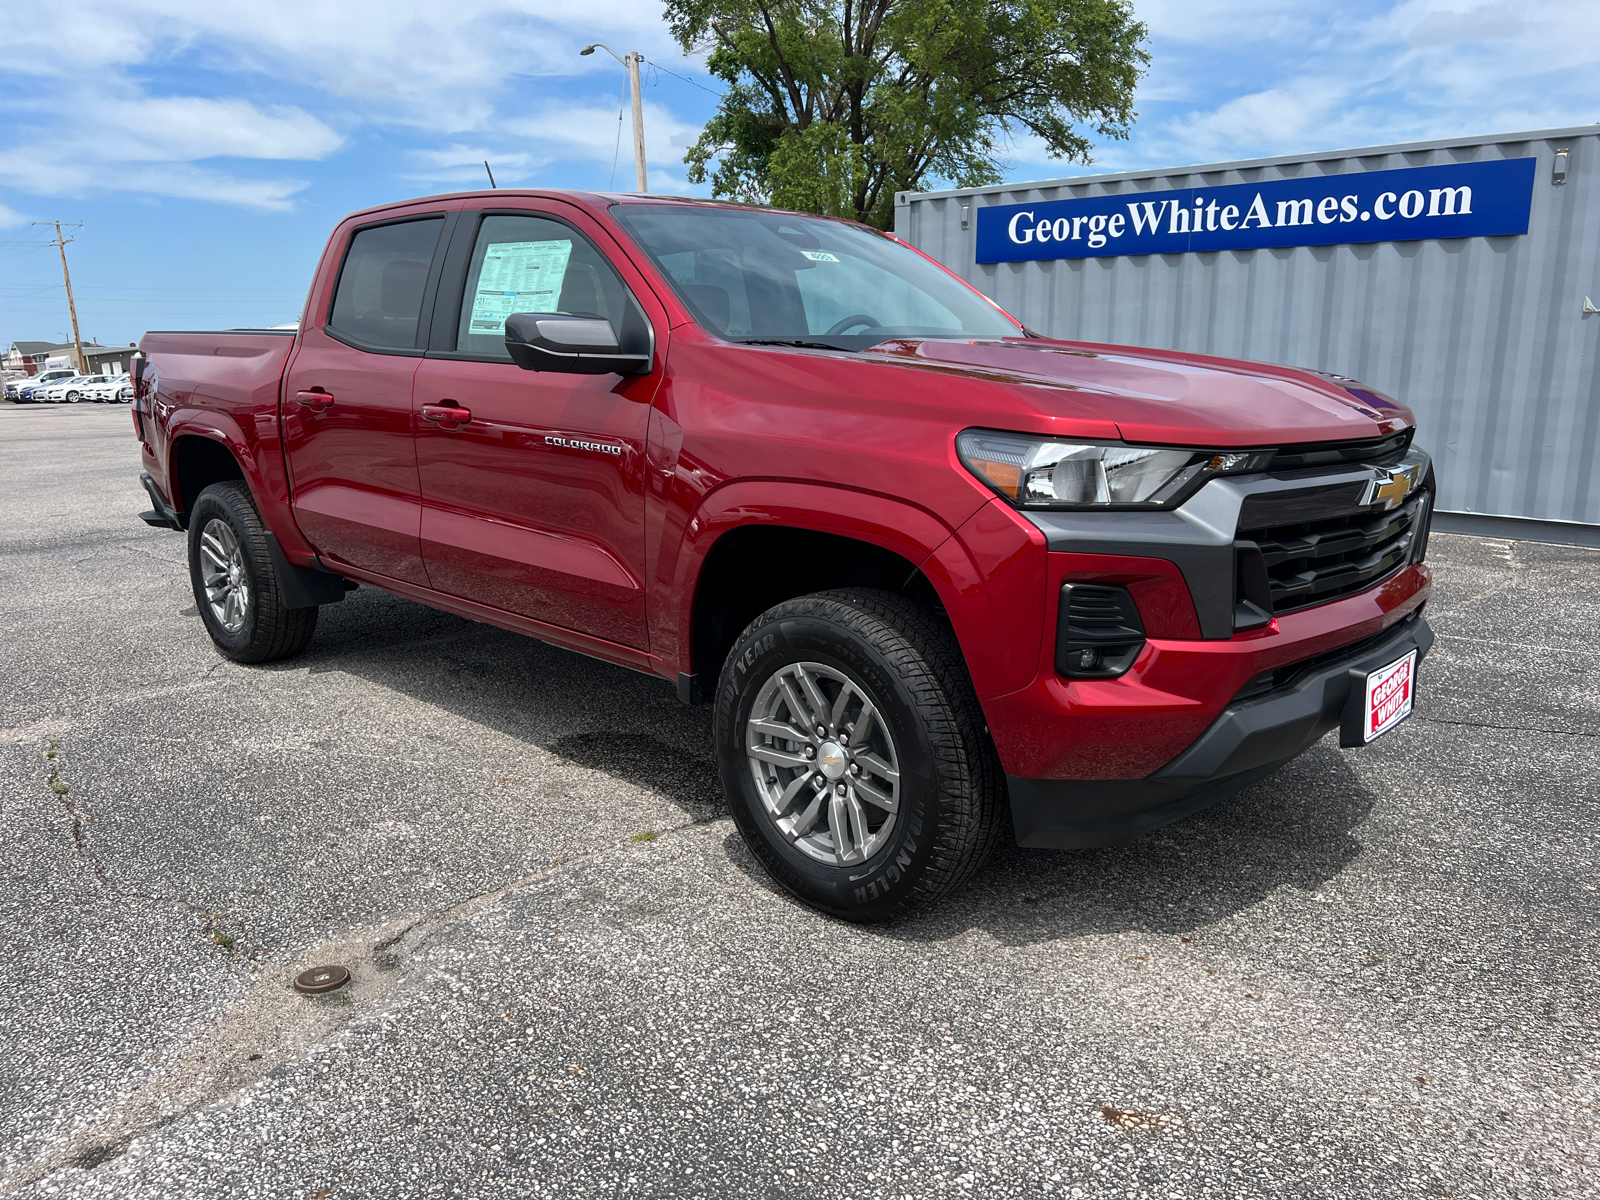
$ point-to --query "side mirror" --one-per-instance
(580, 345)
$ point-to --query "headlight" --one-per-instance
(1034, 472)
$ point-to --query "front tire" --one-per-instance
(235, 586)
(854, 753)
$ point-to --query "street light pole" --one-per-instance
(66, 277)
(631, 61)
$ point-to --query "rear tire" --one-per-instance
(916, 786)
(235, 587)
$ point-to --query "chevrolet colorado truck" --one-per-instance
(937, 574)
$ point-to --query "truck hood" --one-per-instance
(1156, 396)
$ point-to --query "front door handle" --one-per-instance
(447, 416)
(316, 401)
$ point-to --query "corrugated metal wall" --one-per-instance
(1484, 338)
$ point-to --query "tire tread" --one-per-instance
(280, 632)
(922, 649)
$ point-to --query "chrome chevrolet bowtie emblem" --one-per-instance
(1390, 485)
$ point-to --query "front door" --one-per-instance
(532, 481)
(347, 420)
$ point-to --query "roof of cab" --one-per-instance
(589, 200)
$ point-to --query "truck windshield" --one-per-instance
(764, 277)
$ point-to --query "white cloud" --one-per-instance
(434, 66)
(400, 66)
(184, 128)
(1485, 23)
(10, 217)
(464, 164)
(149, 145)
(1235, 79)
(591, 131)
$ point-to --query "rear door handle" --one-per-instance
(313, 400)
(448, 416)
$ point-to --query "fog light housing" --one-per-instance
(1098, 631)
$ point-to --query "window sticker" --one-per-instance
(517, 277)
(820, 256)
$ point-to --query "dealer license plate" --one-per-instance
(1390, 691)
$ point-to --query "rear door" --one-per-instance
(347, 421)
(533, 501)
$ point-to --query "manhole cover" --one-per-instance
(321, 979)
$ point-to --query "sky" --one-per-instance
(208, 146)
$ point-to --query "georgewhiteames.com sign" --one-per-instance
(1473, 199)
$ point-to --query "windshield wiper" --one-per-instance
(789, 342)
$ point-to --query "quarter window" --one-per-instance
(532, 265)
(380, 288)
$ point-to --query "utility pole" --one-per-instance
(66, 277)
(631, 61)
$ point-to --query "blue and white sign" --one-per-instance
(1457, 200)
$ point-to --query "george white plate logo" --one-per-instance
(1389, 694)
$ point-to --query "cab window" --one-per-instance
(532, 265)
(385, 273)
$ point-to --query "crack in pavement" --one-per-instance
(211, 920)
(1507, 728)
(272, 1023)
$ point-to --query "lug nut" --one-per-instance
(855, 768)
(839, 789)
(810, 751)
(822, 731)
(818, 782)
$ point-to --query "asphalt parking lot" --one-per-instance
(1376, 973)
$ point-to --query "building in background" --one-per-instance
(1458, 276)
(109, 360)
(29, 357)
(33, 357)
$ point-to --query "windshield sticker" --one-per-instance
(517, 277)
(820, 256)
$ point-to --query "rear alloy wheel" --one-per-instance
(854, 754)
(74, 397)
(235, 586)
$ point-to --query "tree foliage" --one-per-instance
(833, 106)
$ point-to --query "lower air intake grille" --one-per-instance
(1310, 561)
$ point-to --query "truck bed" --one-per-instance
(236, 370)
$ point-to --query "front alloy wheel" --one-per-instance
(854, 754)
(824, 763)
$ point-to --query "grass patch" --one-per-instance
(644, 835)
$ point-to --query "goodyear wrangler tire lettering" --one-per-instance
(854, 753)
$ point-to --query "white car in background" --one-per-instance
(71, 390)
(105, 393)
(15, 387)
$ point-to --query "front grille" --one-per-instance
(1377, 451)
(1318, 545)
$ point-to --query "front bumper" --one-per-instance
(1248, 741)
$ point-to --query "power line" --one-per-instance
(685, 78)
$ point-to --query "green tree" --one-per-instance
(833, 106)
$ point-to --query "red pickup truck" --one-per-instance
(932, 569)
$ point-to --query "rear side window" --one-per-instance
(532, 265)
(380, 289)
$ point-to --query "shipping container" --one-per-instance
(1490, 336)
